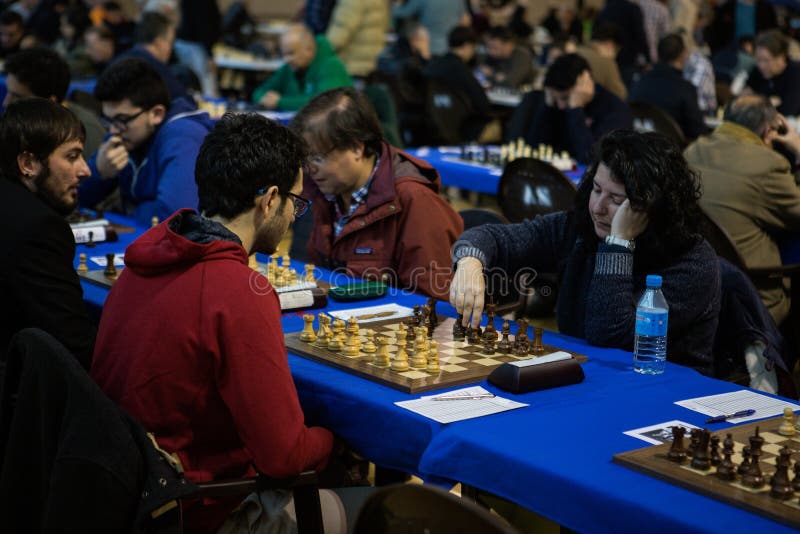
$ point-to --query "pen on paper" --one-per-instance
(463, 397)
(722, 418)
(375, 315)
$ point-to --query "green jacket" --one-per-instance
(325, 72)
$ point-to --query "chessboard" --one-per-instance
(457, 360)
(499, 156)
(779, 504)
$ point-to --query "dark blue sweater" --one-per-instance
(599, 288)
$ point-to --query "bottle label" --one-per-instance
(651, 323)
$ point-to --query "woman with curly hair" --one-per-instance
(635, 214)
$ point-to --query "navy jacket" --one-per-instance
(573, 130)
(784, 86)
(665, 88)
(160, 181)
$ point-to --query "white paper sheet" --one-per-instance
(657, 434)
(730, 403)
(119, 260)
(459, 410)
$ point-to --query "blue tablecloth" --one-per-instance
(469, 175)
(553, 457)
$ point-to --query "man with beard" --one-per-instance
(41, 166)
(152, 148)
(203, 365)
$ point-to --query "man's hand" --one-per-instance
(583, 91)
(790, 138)
(112, 157)
(270, 99)
(628, 223)
(467, 290)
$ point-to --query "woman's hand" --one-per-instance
(628, 223)
(467, 290)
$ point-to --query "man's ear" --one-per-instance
(29, 167)
(157, 114)
(269, 201)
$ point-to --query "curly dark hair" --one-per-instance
(245, 152)
(658, 180)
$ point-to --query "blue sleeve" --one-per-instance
(175, 155)
(95, 189)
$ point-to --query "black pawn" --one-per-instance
(677, 452)
(780, 487)
(716, 459)
(726, 469)
(459, 331)
(504, 346)
(744, 467)
(473, 335)
(433, 320)
(488, 345)
(694, 441)
(701, 460)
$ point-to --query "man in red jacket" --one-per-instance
(190, 340)
(377, 210)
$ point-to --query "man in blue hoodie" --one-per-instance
(151, 150)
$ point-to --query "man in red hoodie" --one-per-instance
(190, 340)
(377, 210)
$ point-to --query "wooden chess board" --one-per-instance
(99, 278)
(653, 461)
(460, 363)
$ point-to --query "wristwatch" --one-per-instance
(614, 240)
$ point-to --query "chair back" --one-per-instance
(720, 240)
(478, 216)
(86, 100)
(531, 187)
(449, 109)
(649, 118)
(424, 508)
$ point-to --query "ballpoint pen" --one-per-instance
(464, 397)
(375, 315)
(722, 418)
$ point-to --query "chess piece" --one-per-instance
(537, 348)
(401, 331)
(716, 459)
(418, 319)
(83, 268)
(410, 336)
(433, 358)
(694, 441)
(780, 487)
(677, 452)
(488, 344)
(153, 221)
(504, 347)
(490, 315)
(307, 335)
(473, 335)
(744, 467)
(459, 331)
(700, 459)
(521, 340)
(351, 347)
(796, 479)
(286, 261)
(91, 242)
(382, 356)
(726, 469)
(322, 332)
(252, 263)
(753, 478)
(420, 358)
(309, 277)
(369, 344)
(111, 269)
(433, 321)
(787, 426)
(339, 327)
(400, 362)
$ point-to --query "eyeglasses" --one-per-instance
(319, 159)
(301, 204)
(120, 122)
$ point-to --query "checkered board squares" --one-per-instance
(459, 362)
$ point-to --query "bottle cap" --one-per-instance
(653, 280)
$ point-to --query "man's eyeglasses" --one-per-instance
(301, 204)
(119, 122)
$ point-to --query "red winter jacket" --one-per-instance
(191, 345)
(405, 229)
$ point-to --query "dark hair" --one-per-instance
(670, 48)
(502, 33)
(461, 35)
(242, 154)
(42, 71)
(151, 26)
(564, 72)
(774, 41)
(340, 119)
(606, 31)
(657, 179)
(754, 112)
(78, 18)
(134, 79)
(9, 18)
(35, 125)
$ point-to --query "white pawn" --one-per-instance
(382, 358)
(433, 358)
(369, 344)
(400, 362)
(82, 266)
(310, 273)
(787, 427)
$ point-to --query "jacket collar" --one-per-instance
(740, 133)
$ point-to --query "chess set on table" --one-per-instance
(421, 353)
(751, 471)
(89, 228)
(501, 155)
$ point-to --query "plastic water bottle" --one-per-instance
(652, 313)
